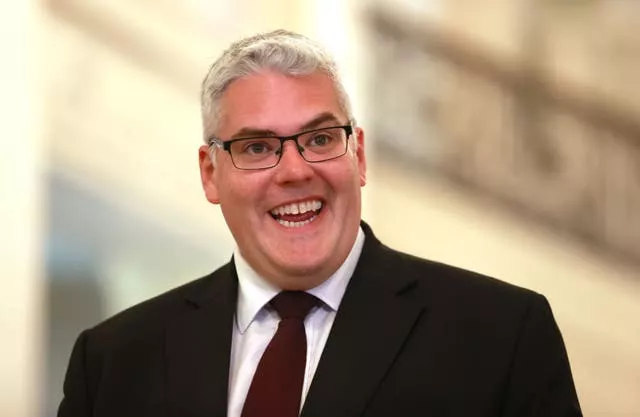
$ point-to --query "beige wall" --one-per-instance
(21, 291)
(592, 44)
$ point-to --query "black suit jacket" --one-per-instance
(411, 338)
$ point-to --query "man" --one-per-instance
(378, 332)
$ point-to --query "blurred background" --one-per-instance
(503, 136)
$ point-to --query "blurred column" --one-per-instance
(20, 211)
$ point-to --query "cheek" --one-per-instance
(238, 206)
(237, 196)
(243, 193)
(345, 181)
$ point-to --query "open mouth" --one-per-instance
(297, 214)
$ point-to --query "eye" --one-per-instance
(257, 148)
(320, 140)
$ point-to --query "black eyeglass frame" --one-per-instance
(226, 145)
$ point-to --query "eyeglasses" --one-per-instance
(265, 152)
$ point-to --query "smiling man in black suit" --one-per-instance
(313, 315)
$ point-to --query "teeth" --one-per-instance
(299, 208)
(286, 223)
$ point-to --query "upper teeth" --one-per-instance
(297, 208)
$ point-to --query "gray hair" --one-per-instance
(286, 52)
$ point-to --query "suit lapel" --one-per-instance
(198, 348)
(375, 317)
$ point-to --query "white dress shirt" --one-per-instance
(256, 323)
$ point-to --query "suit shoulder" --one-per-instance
(459, 283)
(465, 299)
(149, 316)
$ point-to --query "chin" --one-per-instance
(311, 268)
(301, 269)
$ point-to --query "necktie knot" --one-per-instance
(293, 304)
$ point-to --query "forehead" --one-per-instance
(277, 102)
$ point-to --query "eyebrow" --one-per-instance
(318, 120)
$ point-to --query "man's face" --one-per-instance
(252, 202)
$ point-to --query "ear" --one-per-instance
(362, 159)
(207, 175)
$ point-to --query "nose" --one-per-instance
(292, 166)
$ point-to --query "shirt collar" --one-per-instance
(254, 291)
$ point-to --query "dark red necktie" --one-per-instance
(276, 388)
